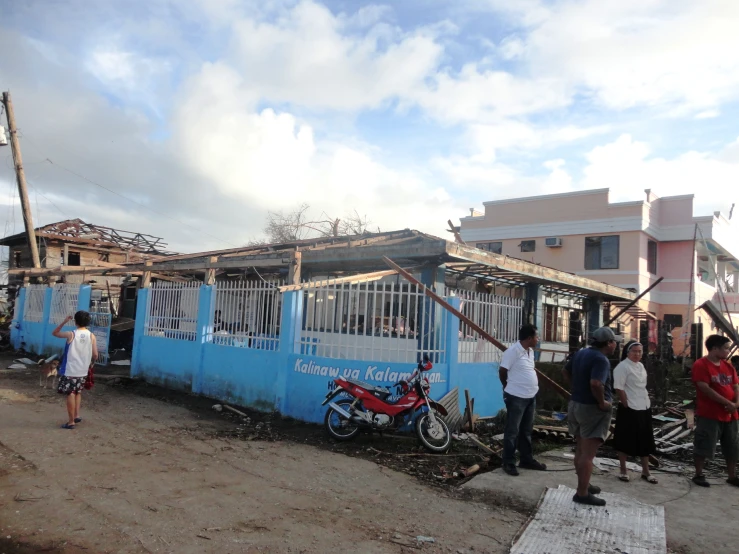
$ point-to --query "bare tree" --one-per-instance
(355, 224)
(295, 225)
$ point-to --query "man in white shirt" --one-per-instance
(520, 385)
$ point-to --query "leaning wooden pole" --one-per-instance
(21, 179)
(444, 304)
(634, 301)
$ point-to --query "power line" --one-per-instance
(37, 191)
(139, 203)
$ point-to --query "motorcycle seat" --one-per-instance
(382, 392)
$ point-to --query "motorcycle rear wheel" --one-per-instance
(435, 437)
(338, 426)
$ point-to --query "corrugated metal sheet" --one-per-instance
(623, 526)
(451, 402)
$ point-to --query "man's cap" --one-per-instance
(605, 334)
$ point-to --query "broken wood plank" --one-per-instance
(361, 278)
(234, 410)
(673, 448)
(481, 445)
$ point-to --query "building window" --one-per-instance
(601, 252)
(494, 247)
(73, 258)
(17, 258)
(652, 257)
(528, 246)
(673, 321)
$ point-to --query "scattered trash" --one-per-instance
(17, 366)
(25, 361)
(471, 470)
(217, 407)
(559, 416)
(421, 538)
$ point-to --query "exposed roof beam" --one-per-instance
(536, 272)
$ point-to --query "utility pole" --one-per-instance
(21, 178)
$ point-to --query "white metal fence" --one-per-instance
(172, 310)
(373, 321)
(33, 311)
(499, 316)
(247, 314)
(64, 299)
(100, 327)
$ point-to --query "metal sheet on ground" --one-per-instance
(622, 526)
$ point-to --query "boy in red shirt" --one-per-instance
(717, 391)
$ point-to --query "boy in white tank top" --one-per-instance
(80, 353)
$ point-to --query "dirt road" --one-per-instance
(144, 475)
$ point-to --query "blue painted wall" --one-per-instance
(283, 379)
(484, 385)
(309, 378)
(243, 376)
(36, 337)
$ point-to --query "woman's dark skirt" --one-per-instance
(634, 435)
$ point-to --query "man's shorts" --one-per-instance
(70, 385)
(710, 431)
(588, 421)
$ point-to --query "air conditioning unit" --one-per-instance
(553, 242)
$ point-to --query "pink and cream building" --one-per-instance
(628, 244)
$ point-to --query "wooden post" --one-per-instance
(21, 178)
(210, 273)
(295, 268)
(444, 304)
(146, 277)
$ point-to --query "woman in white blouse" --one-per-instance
(633, 435)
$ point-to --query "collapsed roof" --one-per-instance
(350, 255)
(80, 232)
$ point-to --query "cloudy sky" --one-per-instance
(200, 116)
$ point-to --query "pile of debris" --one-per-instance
(678, 422)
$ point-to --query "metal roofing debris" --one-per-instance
(76, 230)
(622, 526)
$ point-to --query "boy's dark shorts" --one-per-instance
(71, 385)
(710, 431)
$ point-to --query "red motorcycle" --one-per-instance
(365, 406)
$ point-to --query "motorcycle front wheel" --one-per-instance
(434, 436)
(337, 425)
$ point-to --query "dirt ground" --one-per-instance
(149, 470)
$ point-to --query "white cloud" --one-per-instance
(474, 94)
(308, 57)
(627, 167)
(122, 68)
(487, 140)
(272, 161)
(659, 53)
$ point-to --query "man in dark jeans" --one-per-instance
(520, 385)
